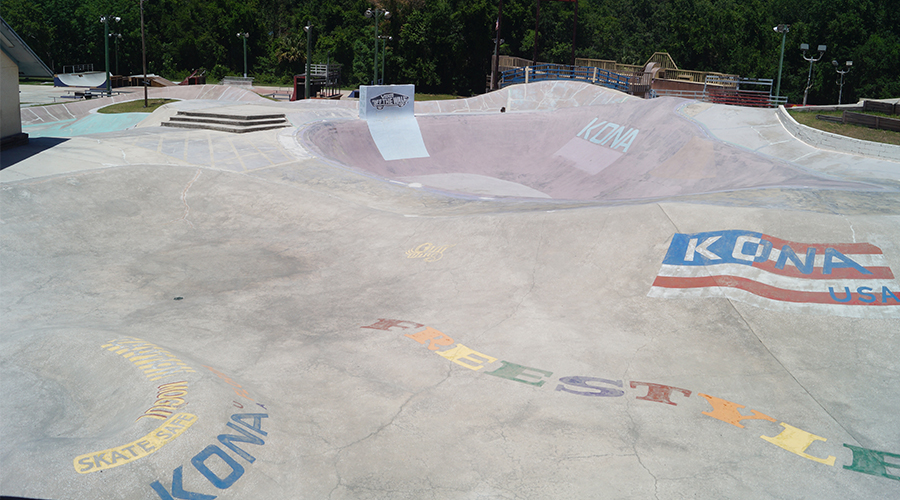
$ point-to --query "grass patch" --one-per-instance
(435, 97)
(36, 81)
(809, 119)
(135, 106)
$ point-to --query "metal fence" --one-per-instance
(542, 72)
(726, 89)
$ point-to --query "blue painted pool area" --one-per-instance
(94, 123)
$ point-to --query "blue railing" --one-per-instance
(542, 72)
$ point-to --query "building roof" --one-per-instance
(19, 51)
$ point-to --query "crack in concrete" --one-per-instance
(636, 454)
(534, 268)
(800, 384)
(187, 208)
(379, 429)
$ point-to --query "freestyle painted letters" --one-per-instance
(792, 439)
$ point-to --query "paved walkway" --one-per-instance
(284, 314)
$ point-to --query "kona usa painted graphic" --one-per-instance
(846, 279)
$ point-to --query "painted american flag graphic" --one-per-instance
(844, 279)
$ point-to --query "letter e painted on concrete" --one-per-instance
(797, 441)
(872, 462)
(463, 356)
(513, 371)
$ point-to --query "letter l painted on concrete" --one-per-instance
(796, 441)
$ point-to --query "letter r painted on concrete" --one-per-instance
(434, 338)
(797, 441)
(872, 462)
(658, 392)
(387, 324)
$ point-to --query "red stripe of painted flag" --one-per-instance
(766, 291)
(844, 248)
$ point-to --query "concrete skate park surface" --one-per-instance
(285, 314)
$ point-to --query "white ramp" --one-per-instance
(91, 79)
(388, 111)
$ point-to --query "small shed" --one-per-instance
(18, 60)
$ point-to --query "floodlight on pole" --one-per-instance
(495, 67)
(116, 37)
(783, 29)
(837, 67)
(105, 20)
(804, 47)
(308, 30)
(244, 35)
(144, 52)
(384, 55)
(374, 13)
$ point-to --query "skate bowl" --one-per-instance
(192, 314)
(628, 150)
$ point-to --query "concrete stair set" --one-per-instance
(223, 122)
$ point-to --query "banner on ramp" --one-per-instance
(843, 279)
(389, 111)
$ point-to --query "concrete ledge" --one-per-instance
(834, 142)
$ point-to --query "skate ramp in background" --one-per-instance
(92, 79)
(632, 149)
(196, 314)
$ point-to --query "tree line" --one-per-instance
(446, 45)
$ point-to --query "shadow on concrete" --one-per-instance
(35, 145)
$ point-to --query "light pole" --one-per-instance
(308, 30)
(105, 20)
(495, 67)
(116, 37)
(804, 47)
(383, 54)
(842, 73)
(144, 51)
(244, 36)
(783, 29)
(373, 13)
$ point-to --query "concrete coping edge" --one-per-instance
(839, 143)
